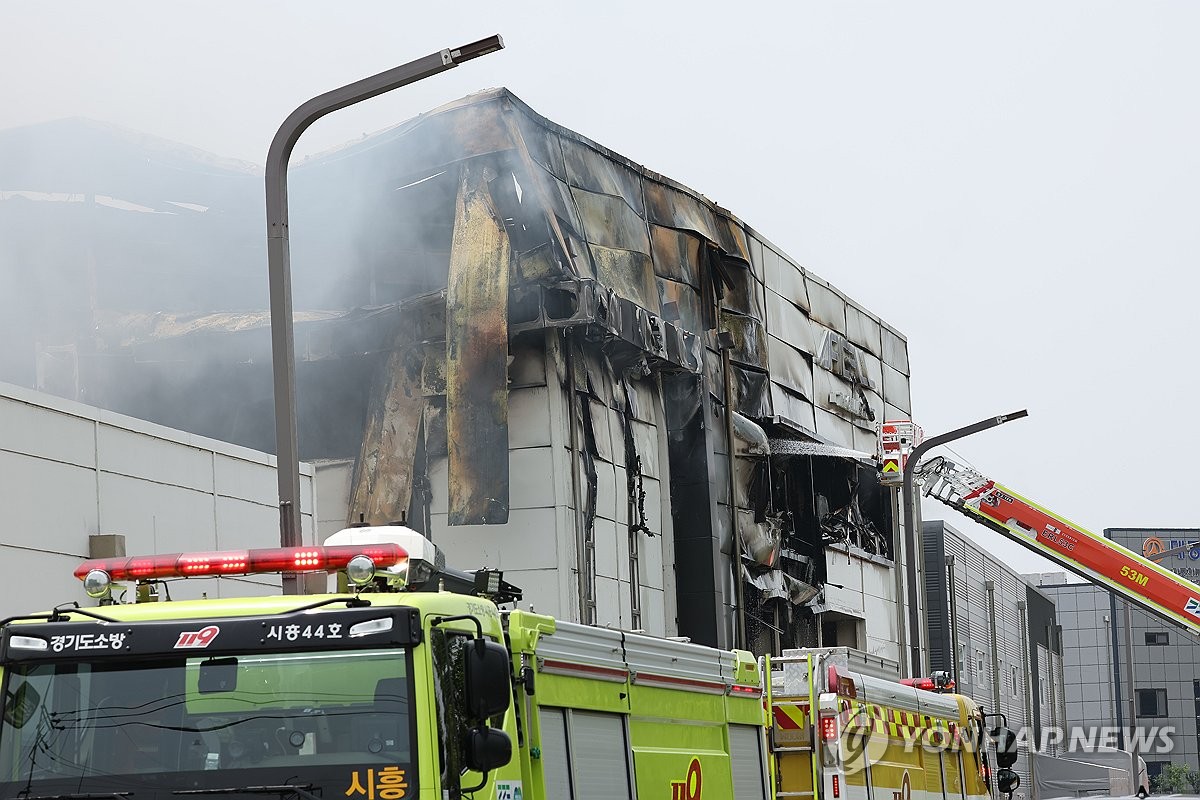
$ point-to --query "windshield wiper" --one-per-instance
(300, 790)
(76, 796)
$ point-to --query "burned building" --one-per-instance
(547, 357)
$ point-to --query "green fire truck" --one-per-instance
(407, 681)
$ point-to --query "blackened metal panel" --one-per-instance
(672, 208)
(698, 560)
(790, 367)
(790, 324)
(863, 329)
(477, 357)
(751, 397)
(627, 273)
(609, 221)
(544, 147)
(749, 339)
(383, 477)
(677, 254)
(828, 305)
(687, 310)
(590, 170)
(745, 296)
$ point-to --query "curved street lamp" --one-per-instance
(910, 528)
(283, 351)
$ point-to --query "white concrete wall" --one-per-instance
(866, 591)
(68, 471)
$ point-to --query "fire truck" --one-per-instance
(407, 680)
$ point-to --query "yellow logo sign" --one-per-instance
(891, 465)
(690, 787)
(1153, 546)
(389, 783)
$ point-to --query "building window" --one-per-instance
(1155, 768)
(980, 675)
(1015, 681)
(1151, 702)
(1042, 690)
(1158, 638)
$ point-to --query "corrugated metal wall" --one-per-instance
(71, 471)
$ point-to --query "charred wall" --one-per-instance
(552, 360)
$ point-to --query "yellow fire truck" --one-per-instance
(872, 739)
(411, 683)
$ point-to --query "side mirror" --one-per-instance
(487, 749)
(1007, 781)
(489, 691)
(1006, 747)
(19, 706)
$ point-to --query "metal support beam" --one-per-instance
(283, 353)
(910, 528)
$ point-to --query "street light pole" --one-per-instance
(910, 528)
(283, 352)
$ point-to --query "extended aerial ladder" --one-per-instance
(1099, 560)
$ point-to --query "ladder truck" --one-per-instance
(1093, 557)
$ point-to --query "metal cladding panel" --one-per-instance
(792, 407)
(610, 222)
(828, 388)
(872, 369)
(183, 519)
(896, 389)
(785, 278)
(528, 413)
(790, 367)
(47, 505)
(747, 762)
(895, 350)
(532, 474)
(864, 330)
(678, 255)
(587, 169)
(828, 305)
(543, 146)
(604, 533)
(528, 541)
(245, 480)
(140, 456)
(47, 433)
(669, 207)
(790, 324)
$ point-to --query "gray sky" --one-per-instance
(1012, 185)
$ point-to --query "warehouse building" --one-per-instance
(1166, 658)
(79, 482)
(547, 357)
(995, 634)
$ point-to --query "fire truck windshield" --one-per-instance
(334, 721)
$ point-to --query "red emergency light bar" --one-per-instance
(242, 562)
(929, 684)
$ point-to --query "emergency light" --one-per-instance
(829, 728)
(98, 573)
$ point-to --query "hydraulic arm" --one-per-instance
(1096, 558)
